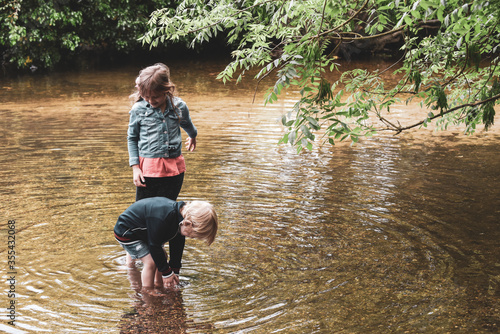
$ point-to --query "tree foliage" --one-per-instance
(448, 61)
(41, 33)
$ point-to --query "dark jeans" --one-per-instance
(168, 187)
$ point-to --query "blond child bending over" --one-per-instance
(146, 225)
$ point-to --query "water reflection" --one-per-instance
(160, 313)
(396, 234)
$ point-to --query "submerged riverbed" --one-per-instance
(393, 234)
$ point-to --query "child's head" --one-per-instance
(153, 81)
(203, 218)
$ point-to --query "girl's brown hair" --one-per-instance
(154, 78)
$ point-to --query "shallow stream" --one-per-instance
(394, 234)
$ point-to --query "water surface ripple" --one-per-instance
(394, 234)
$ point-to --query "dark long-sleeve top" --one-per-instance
(155, 221)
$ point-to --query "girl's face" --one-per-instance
(156, 99)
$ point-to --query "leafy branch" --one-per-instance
(448, 52)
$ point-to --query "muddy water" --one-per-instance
(394, 234)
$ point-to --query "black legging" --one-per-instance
(168, 187)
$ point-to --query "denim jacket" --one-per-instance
(152, 134)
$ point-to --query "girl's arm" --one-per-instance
(133, 133)
(191, 144)
(138, 177)
(186, 123)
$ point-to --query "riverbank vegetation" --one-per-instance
(60, 34)
(445, 51)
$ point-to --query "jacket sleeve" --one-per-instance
(176, 247)
(156, 245)
(186, 122)
(133, 138)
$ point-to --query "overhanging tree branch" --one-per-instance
(399, 129)
(440, 42)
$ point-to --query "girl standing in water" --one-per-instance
(154, 135)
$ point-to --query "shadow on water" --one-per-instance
(156, 313)
(394, 234)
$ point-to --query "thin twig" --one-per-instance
(400, 129)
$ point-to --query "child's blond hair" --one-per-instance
(204, 218)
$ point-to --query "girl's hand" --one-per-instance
(171, 282)
(138, 177)
(191, 144)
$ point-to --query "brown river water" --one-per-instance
(394, 234)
